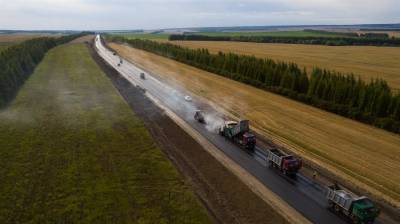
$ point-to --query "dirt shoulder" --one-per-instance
(227, 198)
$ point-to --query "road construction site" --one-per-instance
(300, 198)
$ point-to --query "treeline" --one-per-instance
(18, 62)
(330, 41)
(372, 103)
(350, 34)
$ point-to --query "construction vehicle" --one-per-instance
(239, 133)
(188, 98)
(142, 76)
(358, 209)
(287, 164)
(199, 116)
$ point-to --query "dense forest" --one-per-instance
(368, 39)
(369, 102)
(18, 62)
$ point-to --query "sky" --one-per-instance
(155, 14)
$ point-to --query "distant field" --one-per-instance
(72, 151)
(273, 34)
(4, 46)
(16, 38)
(362, 155)
(163, 36)
(7, 40)
(364, 61)
(150, 36)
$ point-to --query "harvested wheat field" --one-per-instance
(15, 38)
(365, 156)
(364, 61)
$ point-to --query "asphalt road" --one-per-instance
(307, 197)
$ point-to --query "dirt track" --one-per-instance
(228, 199)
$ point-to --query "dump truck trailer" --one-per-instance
(359, 210)
(287, 164)
(239, 133)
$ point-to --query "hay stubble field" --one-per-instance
(364, 61)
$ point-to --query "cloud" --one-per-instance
(151, 14)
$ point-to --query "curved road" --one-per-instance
(301, 193)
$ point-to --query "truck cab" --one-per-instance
(291, 164)
(249, 140)
(364, 211)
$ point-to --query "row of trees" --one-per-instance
(331, 41)
(376, 35)
(372, 102)
(18, 62)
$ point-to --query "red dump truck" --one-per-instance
(287, 164)
(239, 133)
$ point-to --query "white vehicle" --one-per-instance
(188, 98)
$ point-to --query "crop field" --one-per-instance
(72, 151)
(164, 36)
(16, 38)
(4, 46)
(364, 61)
(7, 40)
(364, 156)
(149, 36)
(273, 34)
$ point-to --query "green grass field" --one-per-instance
(149, 36)
(273, 34)
(3, 46)
(72, 151)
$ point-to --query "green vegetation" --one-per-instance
(164, 36)
(303, 33)
(149, 36)
(318, 39)
(72, 151)
(343, 94)
(4, 46)
(18, 62)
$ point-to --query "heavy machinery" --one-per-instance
(287, 164)
(199, 116)
(239, 133)
(359, 209)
